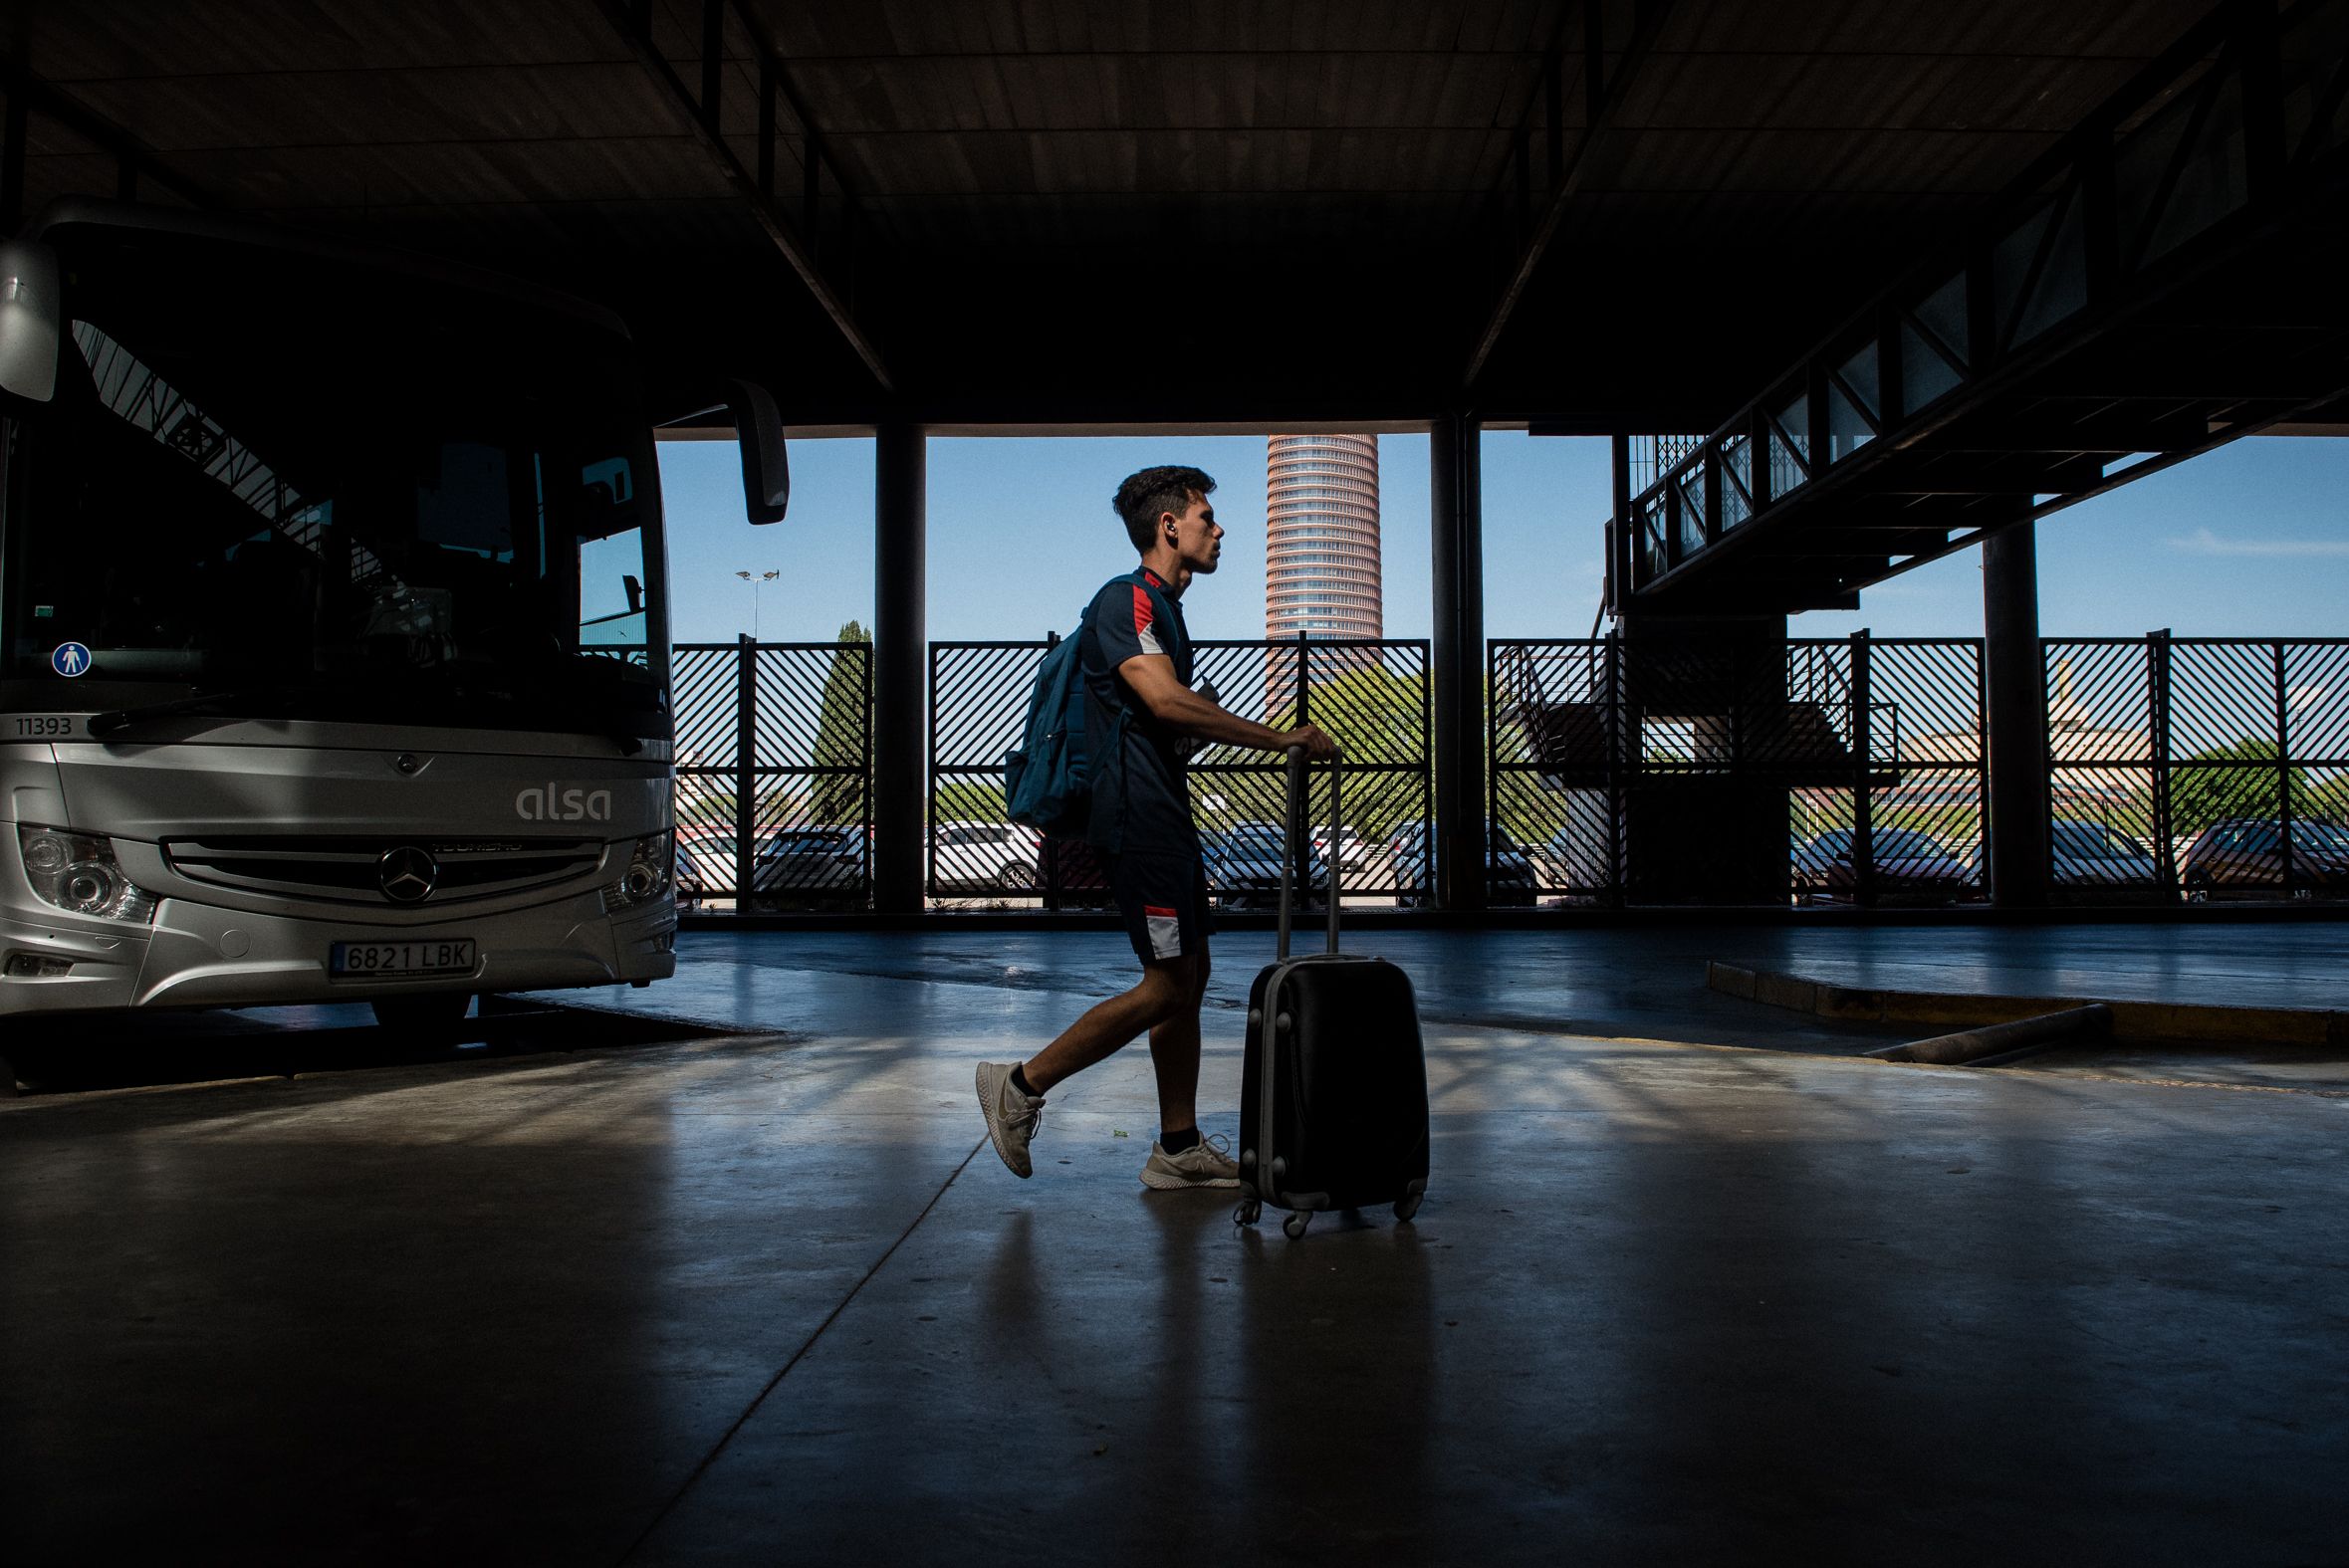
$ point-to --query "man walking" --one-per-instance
(1139, 710)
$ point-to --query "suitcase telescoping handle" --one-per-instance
(1291, 848)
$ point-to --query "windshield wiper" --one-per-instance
(116, 719)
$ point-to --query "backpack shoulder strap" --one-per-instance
(1121, 715)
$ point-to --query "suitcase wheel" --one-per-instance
(1249, 1212)
(1296, 1223)
(1408, 1206)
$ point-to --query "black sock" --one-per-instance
(1177, 1142)
(1019, 1081)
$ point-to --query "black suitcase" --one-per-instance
(1334, 1089)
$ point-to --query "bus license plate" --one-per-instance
(443, 956)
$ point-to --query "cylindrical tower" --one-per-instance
(1322, 537)
(1320, 558)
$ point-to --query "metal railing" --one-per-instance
(1373, 696)
(2198, 768)
(1628, 774)
(2177, 769)
(773, 787)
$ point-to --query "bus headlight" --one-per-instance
(647, 875)
(78, 873)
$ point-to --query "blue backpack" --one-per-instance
(1047, 779)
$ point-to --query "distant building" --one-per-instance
(1322, 537)
(1322, 562)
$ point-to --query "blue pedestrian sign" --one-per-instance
(69, 658)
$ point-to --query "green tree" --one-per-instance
(842, 727)
(2200, 795)
(967, 800)
(1379, 721)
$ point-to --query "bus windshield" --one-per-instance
(283, 486)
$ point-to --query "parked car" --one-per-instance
(2244, 855)
(803, 862)
(1509, 870)
(1909, 866)
(1810, 865)
(705, 860)
(1353, 853)
(1074, 873)
(983, 857)
(2091, 854)
(1573, 858)
(1244, 865)
(812, 860)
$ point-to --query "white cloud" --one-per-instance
(2202, 541)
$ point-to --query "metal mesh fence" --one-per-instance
(1557, 742)
(2178, 768)
(2198, 768)
(1372, 696)
(979, 693)
(1904, 825)
(1637, 775)
(774, 775)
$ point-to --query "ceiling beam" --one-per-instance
(1602, 95)
(696, 114)
(135, 159)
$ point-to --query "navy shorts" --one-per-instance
(1164, 901)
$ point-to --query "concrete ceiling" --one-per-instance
(1077, 211)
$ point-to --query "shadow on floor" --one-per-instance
(143, 1050)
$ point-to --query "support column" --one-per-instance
(2014, 681)
(1712, 746)
(1458, 532)
(901, 669)
(1619, 539)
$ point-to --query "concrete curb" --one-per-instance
(2005, 1042)
(2131, 1020)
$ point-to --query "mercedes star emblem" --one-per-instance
(407, 874)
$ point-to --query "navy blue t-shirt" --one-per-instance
(1142, 789)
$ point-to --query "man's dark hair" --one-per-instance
(1145, 495)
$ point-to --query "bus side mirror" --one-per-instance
(766, 467)
(31, 321)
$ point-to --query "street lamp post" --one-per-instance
(757, 581)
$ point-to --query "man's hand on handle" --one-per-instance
(1196, 713)
(1317, 747)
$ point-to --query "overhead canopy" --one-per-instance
(1066, 213)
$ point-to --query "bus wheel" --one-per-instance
(414, 1014)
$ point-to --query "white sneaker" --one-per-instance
(1207, 1163)
(1013, 1118)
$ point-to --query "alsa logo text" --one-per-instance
(554, 804)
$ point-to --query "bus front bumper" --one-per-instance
(196, 956)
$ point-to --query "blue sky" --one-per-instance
(2251, 540)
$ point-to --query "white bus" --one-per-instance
(334, 651)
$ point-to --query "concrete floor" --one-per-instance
(768, 1297)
